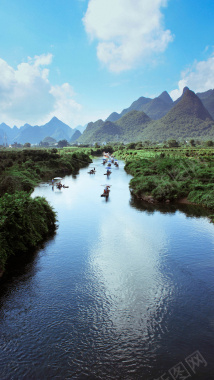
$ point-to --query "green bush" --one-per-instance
(172, 176)
(24, 222)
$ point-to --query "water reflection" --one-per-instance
(189, 210)
(21, 269)
(126, 267)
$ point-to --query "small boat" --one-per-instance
(106, 192)
(56, 179)
(59, 185)
(108, 173)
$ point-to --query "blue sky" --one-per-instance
(80, 60)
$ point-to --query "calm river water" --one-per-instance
(122, 291)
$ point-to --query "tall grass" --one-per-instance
(171, 174)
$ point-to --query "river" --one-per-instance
(124, 290)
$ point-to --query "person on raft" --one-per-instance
(106, 190)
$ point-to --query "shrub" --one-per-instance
(24, 222)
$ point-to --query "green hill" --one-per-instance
(75, 136)
(113, 117)
(49, 140)
(91, 129)
(100, 132)
(132, 124)
(107, 132)
(188, 118)
(127, 128)
(190, 106)
(135, 118)
(157, 108)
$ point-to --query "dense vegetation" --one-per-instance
(25, 222)
(165, 175)
(23, 169)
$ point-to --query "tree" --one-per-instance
(44, 143)
(192, 142)
(139, 145)
(62, 143)
(173, 143)
(131, 145)
(209, 143)
(27, 145)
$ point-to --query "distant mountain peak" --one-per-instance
(113, 117)
(185, 89)
(165, 97)
(55, 119)
(205, 94)
(191, 106)
(180, 97)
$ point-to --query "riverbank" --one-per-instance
(26, 222)
(22, 170)
(161, 177)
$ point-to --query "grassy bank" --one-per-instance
(171, 175)
(26, 222)
(22, 170)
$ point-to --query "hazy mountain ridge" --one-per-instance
(207, 99)
(135, 106)
(186, 118)
(154, 108)
(75, 136)
(55, 129)
(160, 118)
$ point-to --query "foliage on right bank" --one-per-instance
(164, 177)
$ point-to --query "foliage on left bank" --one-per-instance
(24, 169)
(25, 222)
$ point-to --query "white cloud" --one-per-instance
(127, 31)
(65, 106)
(199, 78)
(43, 60)
(26, 94)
